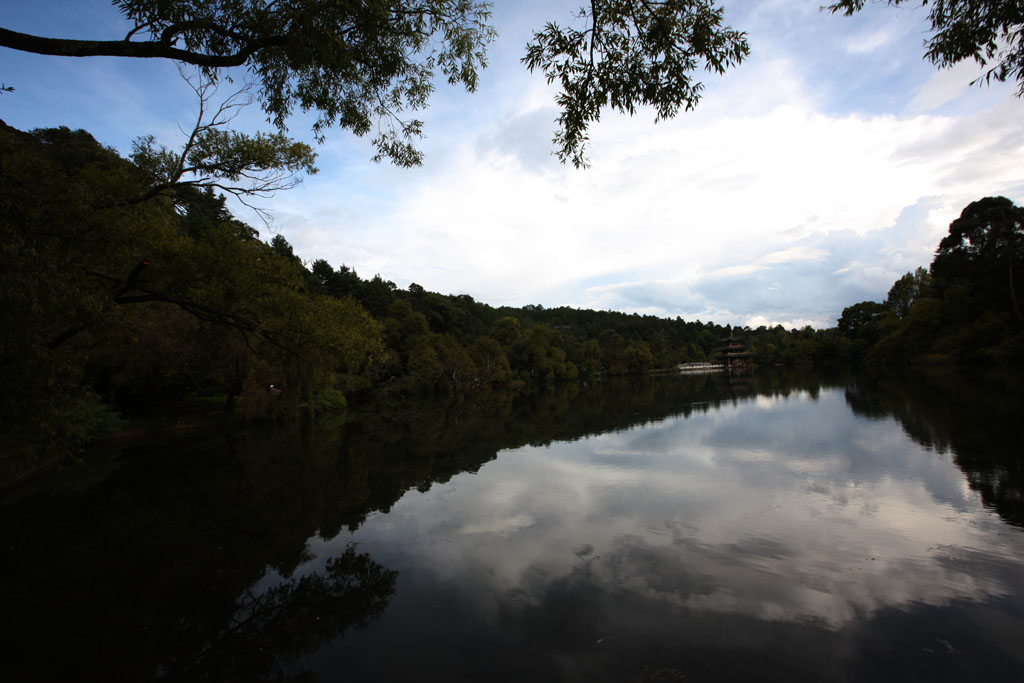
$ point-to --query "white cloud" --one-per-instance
(710, 196)
(771, 201)
(946, 85)
(797, 323)
(792, 254)
(871, 40)
(732, 271)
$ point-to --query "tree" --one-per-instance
(632, 53)
(987, 31)
(982, 247)
(639, 358)
(109, 303)
(239, 164)
(340, 283)
(361, 65)
(855, 319)
(491, 362)
(506, 330)
(907, 290)
(590, 355)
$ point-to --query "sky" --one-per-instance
(809, 178)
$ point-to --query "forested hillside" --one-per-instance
(124, 298)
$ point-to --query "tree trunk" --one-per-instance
(1013, 296)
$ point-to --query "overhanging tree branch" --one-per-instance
(131, 290)
(631, 53)
(335, 58)
(989, 32)
(242, 165)
(68, 47)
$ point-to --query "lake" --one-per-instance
(780, 526)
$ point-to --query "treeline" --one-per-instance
(965, 309)
(454, 344)
(121, 294)
(124, 296)
(115, 299)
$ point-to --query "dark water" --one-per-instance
(776, 527)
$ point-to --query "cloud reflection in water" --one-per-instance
(711, 531)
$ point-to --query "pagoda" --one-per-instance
(734, 354)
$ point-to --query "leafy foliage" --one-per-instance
(907, 290)
(363, 65)
(358, 65)
(987, 31)
(631, 53)
(963, 310)
(983, 246)
(240, 164)
(855, 318)
(111, 303)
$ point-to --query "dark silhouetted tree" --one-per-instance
(985, 247)
(905, 291)
(855, 318)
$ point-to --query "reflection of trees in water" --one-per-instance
(152, 568)
(271, 629)
(570, 412)
(94, 609)
(977, 419)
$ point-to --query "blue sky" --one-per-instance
(808, 179)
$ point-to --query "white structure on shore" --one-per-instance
(700, 367)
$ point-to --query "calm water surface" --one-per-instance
(684, 528)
